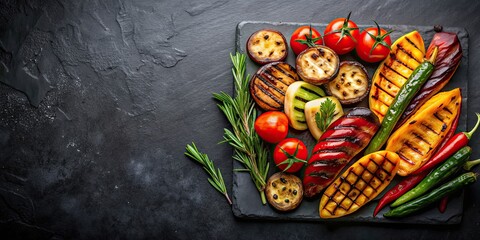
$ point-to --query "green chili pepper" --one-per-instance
(432, 197)
(445, 170)
(406, 93)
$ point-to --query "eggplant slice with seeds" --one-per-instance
(351, 84)
(266, 46)
(269, 85)
(284, 191)
(317, 65)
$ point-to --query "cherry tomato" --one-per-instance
(374, 44)
(341, 35)
(290, 155)
(272, 126)
(303, 38)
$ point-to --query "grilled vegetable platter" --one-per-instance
(336, 106)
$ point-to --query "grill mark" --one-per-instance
(405, 158)
(407, 52)
(329, 163)
(311, 91)
(264, 91)
(351, 139)
(378, 86)
(448, 110)
(429, 128)
(438, 117)
(272, 78)
(286, 72)
(269, 84)
(329, 150)
(409, 145)
(411, 42)
(388, 80)
(301, 99)
(321, 174)
(421, 138)
(404, 64)
(389, 67)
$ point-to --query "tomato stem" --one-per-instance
(379, 38)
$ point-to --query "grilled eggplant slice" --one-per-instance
(266, 46)
(313, 107)
(406, 54)
(317, 65)
(421, 135)
(270, 83)
(342, 140)
(447, 61)
(284, 191)
(351, 84)
(298, 94)
(359, 184)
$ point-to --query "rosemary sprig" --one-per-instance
(241, 114)
(324, 117)
(216, 179)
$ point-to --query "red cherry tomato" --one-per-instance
(303, 38)
(374, 44)
(290, 155)
(341, 35)
(272, 126)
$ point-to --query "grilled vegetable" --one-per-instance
(269, 84)
(405, 55)
(401, 101)
(449, 167)
(435, 195)
(317, 65)
(359, 184)
(344, 139)
(284, 191)
(313, 107)
(420, 137)
(351, 84)
(297, 95)
(266, 46)
(448, 59)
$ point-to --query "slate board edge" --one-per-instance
(456, 219)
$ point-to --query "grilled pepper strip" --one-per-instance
(448, 60)
(342, 140)
(401, 101)
(434, 178)
(456, 142)
(435, 195)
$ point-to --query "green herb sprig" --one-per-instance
(241, 113)
(324, 117)
(216, 179)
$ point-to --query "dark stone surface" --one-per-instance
(115, 89)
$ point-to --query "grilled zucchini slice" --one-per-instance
(298, 94)
(422, 134)
(351, 84)
(406, 54)
(269, 84)
(313, 107)
(317, 65)
(359, 184)
(284, 191)
(266, 46)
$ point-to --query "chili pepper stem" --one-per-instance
(469, 134)
(468, 165)
(433, 57)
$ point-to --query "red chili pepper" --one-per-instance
(456, 142)
(443, 204)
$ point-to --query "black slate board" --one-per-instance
(246, 199)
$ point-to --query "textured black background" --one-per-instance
(116, 89)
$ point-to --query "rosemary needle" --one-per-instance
(216, 179)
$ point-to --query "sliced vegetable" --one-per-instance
(448, 60)
(433, 196)
(318, 111)
(297, 95)
(303, 38)
(373, 44)
(401, 101)
(351, 84)
(449, 167)
(272, 126)
(341, 35)
(344, 139)
(317, 65)
(266, 46)
(269, 84)
(284, 191)
(418, 139)
(290, 155)
(359, 184)
(406, 54)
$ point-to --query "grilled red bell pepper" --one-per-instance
(342, 140)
